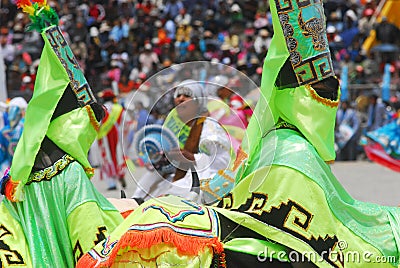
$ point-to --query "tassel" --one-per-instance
(11, 190)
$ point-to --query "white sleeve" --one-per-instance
(214, 150)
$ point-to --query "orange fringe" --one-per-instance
(241, 155)
(125, 214)
(92, 118)
(86, 261)
(10, 189)
(185, 244)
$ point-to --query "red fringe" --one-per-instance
(86, 261)
(125, 214)
(185, 244)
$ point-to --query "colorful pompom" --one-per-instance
(40, 13)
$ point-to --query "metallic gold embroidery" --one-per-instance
(315, 28)
(49, 172)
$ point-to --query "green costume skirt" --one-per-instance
(62, 217)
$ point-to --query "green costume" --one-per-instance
(286, 206)
(52, 214)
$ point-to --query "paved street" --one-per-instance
(364, 181)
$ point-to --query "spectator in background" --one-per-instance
(173, 8)
(387, 32)
(148, 58)
(183, 16)
(155, 117)
(376, 113)
(112, 161)
(12, 131)
(347, 132)
(125, 85)
(365, 23)
(96, 12)
(27, 84)
(262, 40)
(7, 48)
(8, 11)
(141, 115)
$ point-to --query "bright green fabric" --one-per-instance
(265, 116)
(74, 133)
(58, 68)
(289, 104)
(51, 82)
(13, 247)
(177, 126)
(62, 218)
(378, 225)
(295, 199)
(167, 212)
(165, 256)
(254, 246)
(314, 119)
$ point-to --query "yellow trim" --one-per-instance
(326, 102)
(89, 171)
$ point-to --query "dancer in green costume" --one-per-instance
(286, 207)
(52, 214)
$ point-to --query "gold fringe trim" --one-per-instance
(89, 171)
(92, 118)
(326, 102)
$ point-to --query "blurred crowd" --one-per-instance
(120, 44)
(124, 42)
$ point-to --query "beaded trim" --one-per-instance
(51, 171)
(279, 125)
(322, 100)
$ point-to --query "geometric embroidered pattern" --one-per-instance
(50, 172)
